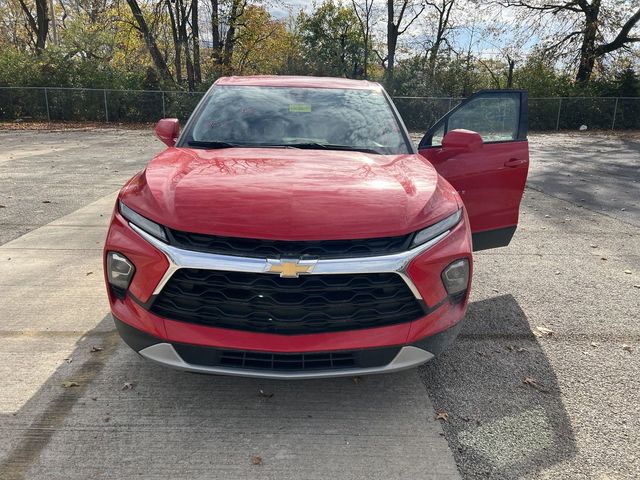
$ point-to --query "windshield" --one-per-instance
(317, 118)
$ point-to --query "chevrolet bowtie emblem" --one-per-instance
(290, 268)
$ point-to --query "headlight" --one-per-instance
(152, 228)
(429, 233)
(456, 276)
(120, 270)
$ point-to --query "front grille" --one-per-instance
(279, 361)
(250, 247)
(268, 303)
(254, 360)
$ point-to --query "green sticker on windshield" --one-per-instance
(299, 108)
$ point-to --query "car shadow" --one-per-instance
(504, 412)
(112, 414)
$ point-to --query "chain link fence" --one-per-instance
(419, 113)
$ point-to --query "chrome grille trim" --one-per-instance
(179, 258)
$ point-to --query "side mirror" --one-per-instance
(168, 130)
(461, 141)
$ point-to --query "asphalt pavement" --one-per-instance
(542, 383)
(45, 175)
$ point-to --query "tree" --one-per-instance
(180, 13)
(38, 24)
(364, 14)
(150, 41)
(263, 44)
(225, 14)
(195, 35)
(628, 83)
(443, 10)
(397, 12)
(332, 42)
(582, 27)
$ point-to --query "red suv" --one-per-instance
(292, 230)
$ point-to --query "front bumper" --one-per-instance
(156, 262)
(208, 360)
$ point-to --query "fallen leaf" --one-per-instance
(69, 359)
(356, 380)
(265, 395)
(534, 384)
(95, 349)
(46, 201)
(628, 348)
(256, 460)
(89, 273)
(593, 245)
(603, 258)
(635, 286)
(70, 383)
(2, 206)
(495, 290)
(543, 331)
(442, 415)
(128, 386)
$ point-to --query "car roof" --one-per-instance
(298, 81)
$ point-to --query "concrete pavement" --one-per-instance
(47, 174)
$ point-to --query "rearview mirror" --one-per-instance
(168, 130)
(461, 141)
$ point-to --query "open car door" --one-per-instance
(481, 148)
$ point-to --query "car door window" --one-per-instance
(494, 117)
(497, 115)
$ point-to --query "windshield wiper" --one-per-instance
(307, 145)
(328, 146)
(201, 144)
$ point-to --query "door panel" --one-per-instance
(490, 179)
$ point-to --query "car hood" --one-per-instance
(290, 194)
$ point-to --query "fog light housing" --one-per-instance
(120, 272)
(456, 276)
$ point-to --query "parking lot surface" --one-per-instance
(542, 383)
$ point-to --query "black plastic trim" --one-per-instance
(261, 248)
(136, 339)
(119, 293)
(500, 237)
(436, 344)
(214, 357)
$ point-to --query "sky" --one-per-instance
(465, 31)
